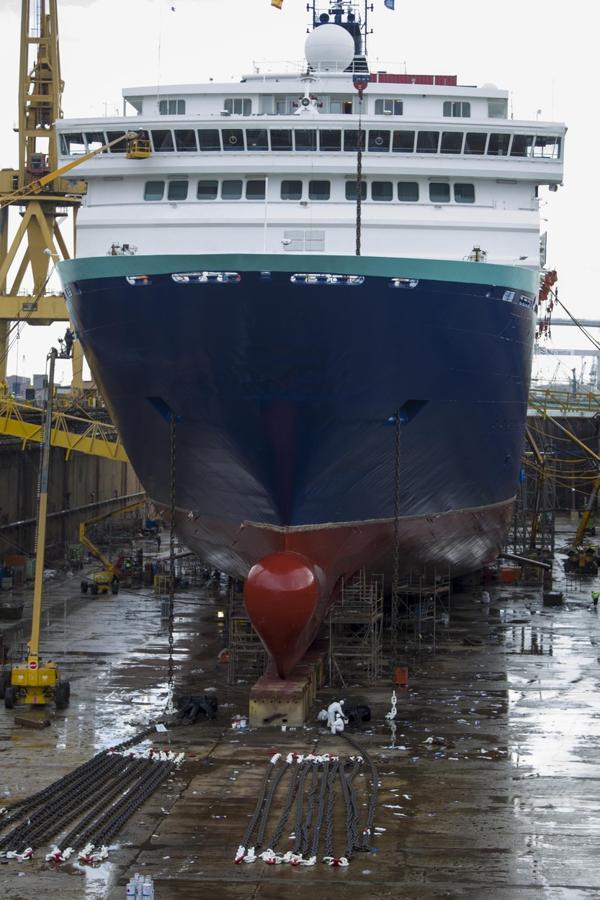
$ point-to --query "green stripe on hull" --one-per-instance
(514, 277)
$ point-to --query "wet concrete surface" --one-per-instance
(490, 790)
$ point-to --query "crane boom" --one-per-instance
(36, 187)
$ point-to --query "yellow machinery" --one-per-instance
(36, 682)
(37, 188)
(108, 579)
(581, 559)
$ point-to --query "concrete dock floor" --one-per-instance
(503, 803)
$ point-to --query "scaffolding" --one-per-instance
(247, 659)
(532, 531)
(420, 607)
(355, 626)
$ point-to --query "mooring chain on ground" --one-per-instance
(328, 856)
(73, 838)
(121, 812)
(274, 784)
(15, 811)
(57, 816)
(344, 860)
(48, 812)
(293, 855)
(367, 833)
(354, 822)
(270, 856)
(48, 809)
(244, 852)
(324, 781)
(311, 799)
(124, 782)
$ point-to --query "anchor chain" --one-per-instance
(359, 177)
(173, 470)
(396, 549)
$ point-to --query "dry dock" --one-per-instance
(492, 790)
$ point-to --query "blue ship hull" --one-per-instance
(284, 394)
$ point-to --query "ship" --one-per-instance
(310, 305)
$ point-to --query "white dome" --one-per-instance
(329, 48)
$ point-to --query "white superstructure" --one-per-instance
(269, 165)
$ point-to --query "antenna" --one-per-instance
(352, 15)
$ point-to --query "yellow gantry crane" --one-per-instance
(38, 189)
(38, 240)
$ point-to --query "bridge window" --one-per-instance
(388, 107)
(154, 190)
(319, 190)
(233, 139)
(281, 139)
(209, 139)
(330, 140)
(427, 141)
(178, 190)
(231, 190)
(379, 141)
(255, 189)
(451, 142)
(238, 106)
(475, 142)
(72, 144)
(171, 107)
(351, 190)
(382, 191)
(403, 142)
(439, 192)
(305, 139)
(121, 147)
(185, 140)
(95, 140)
(546, 147)
(256, 139)
(498, 144)
(457, 109)
(207, 190)
(351, 141)
(291, 190)
(521, 145)
(464, 193)
(408, 191)
(163, 141)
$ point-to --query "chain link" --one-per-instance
(396, 549)
(359, 176)
(173, 471)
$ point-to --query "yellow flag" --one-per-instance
(277, 3)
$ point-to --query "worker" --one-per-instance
(595, 596)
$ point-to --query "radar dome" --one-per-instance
(329, 48)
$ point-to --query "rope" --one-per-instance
(314, 847)
(331, 780)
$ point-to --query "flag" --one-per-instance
(389, 3)
(277, 3)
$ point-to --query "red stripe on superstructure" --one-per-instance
(385, 78)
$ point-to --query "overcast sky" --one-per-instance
(542, 51)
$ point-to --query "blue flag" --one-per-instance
(389, 3)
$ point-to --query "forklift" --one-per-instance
(37, 682)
